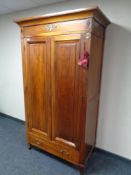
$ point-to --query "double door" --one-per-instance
(55, 88)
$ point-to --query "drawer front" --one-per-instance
(56, 28)
(58, 150)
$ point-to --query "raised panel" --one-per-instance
(65, 90)
(38, 84)
(95, 66)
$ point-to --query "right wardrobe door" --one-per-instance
(67, 98)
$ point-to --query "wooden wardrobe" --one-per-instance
(62, 63)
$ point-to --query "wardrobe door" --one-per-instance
(36, 65)
(66, 120)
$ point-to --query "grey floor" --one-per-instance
(16, 159)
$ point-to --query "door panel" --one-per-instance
(38, 86)
(65, 118)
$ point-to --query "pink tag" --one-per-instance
(84, 60)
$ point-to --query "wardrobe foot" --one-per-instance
(81, 169)
(29, 146)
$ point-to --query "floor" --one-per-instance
(16, 159)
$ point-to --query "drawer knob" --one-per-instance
(38, 142)
(64, 151)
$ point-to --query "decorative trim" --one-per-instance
(50, 27)
(11, 117)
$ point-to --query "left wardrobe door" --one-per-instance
(36, 69)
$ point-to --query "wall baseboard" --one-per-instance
(112, 155)
(11, 117)
(102, 151)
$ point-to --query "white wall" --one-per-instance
(114, 126)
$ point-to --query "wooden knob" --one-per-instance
(64, 151)
(38, 142)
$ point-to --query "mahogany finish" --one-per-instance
(62, 97)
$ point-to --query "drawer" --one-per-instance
(67, 153)
(56, 149)
(56, 28)
(39, 142)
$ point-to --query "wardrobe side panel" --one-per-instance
(94, 80)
